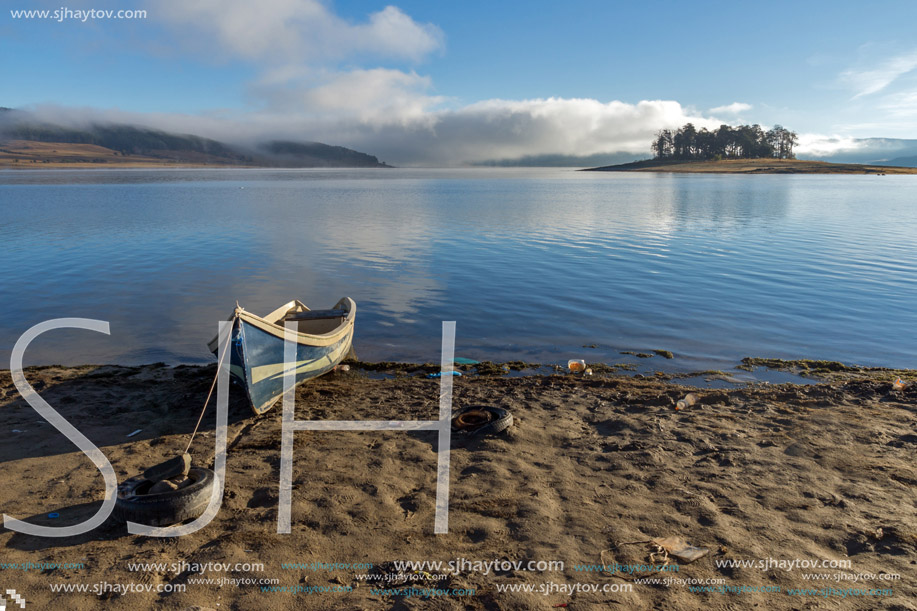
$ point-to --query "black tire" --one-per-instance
(500, 420)
(165, 508)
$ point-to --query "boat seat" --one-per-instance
(317, 315)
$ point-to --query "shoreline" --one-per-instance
(752, 166)
(807, 370)
(590, 465)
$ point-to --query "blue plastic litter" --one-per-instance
(54, 515)
(440, 373)
(463, 361)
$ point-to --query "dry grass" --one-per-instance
(29, 154)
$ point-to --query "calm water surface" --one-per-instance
(532, 264)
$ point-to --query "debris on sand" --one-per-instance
(678, 548)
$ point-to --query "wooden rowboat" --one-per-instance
(323, 339)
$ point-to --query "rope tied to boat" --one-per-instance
(216, 376)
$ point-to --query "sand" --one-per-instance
(590, 471)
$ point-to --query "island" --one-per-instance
(745, 149)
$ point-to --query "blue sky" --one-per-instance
(450, 82)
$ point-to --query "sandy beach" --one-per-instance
(593, 469)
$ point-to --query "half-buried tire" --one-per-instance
(136, 504)
(481, 420)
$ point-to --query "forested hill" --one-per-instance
(129, 140)
(316, 154)
(25, 142)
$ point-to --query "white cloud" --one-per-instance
(855, 150)
(299, 46)
(868, 81)
(394, 34)
(376, 95)
(306, 29)
(302, 92)
(510, 129)
(819, 145)
(732, 109)
(373, 96)
(411, 132)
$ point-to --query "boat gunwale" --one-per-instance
(306, 339)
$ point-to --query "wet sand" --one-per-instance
(591, 470)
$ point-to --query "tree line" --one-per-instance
(725, 142)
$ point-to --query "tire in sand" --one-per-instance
(481, 420)
(135, 504)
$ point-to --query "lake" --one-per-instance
(532, 264)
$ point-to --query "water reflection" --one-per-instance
(532, 264)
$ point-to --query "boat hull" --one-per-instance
(257, 354)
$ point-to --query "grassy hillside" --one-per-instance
(908, 162)
(128, 140)
(27, 153)
(26, 143)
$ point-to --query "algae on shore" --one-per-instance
(828, 370)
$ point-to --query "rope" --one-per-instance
(212, 385)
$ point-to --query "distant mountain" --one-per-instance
(20, 135)
(905, 162)
(317, 155)
(129, 140)
(873, 151)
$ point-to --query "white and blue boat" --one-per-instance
(323, 339)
